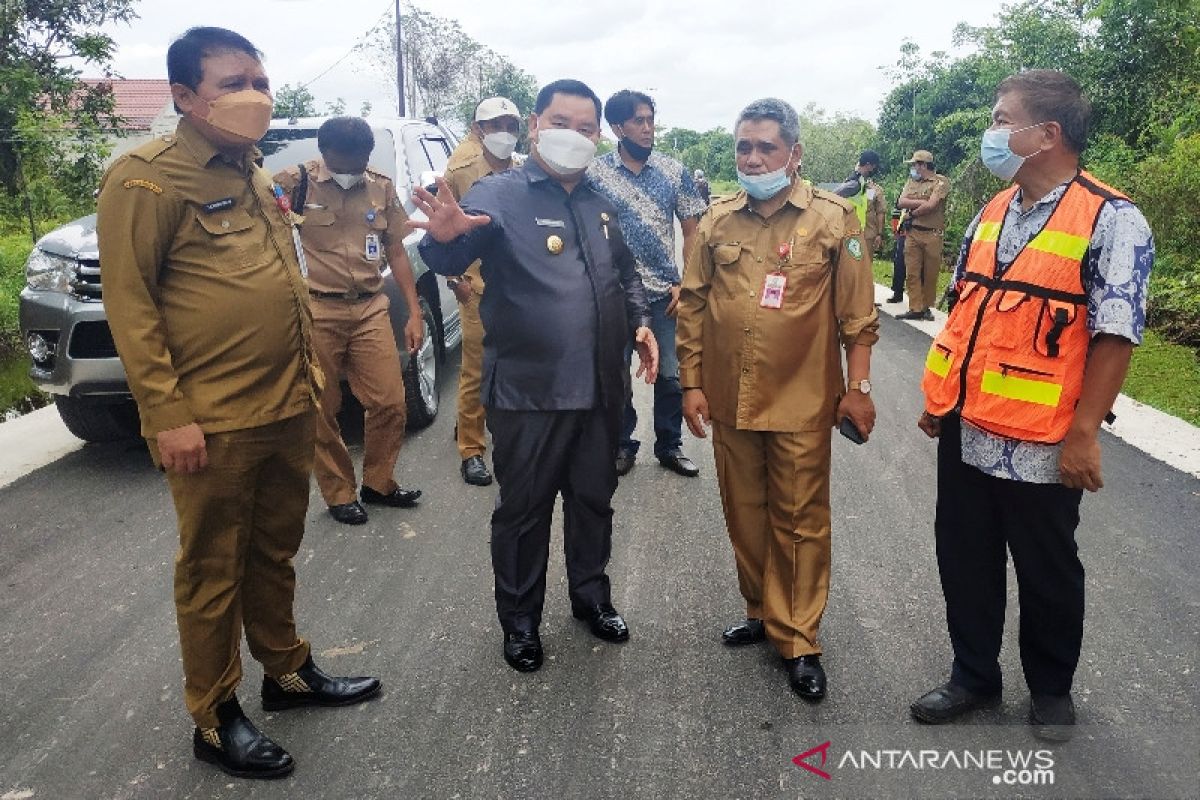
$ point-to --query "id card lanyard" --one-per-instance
(775, 282)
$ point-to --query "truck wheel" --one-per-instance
(420, 376)
(96, 420)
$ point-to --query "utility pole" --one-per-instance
(399, 61)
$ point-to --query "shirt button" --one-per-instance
(759, 259)
(745, 370)
(747, 330)
(225, 223)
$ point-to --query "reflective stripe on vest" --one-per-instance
(1012, 355)
(859, 201)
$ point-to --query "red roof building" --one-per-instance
(139, 101)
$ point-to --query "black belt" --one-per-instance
(923, 228)
(351, 296)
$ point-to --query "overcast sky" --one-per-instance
(701, 61)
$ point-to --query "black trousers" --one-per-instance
(898, 269)
(978, 516)
(536, 456)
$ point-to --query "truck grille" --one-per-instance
(86, 284)
(92, 340)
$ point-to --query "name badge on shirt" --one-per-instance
(772, 291)
(223, 204)
(549, 223)
(371, 247)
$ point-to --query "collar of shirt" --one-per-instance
(469, 149)
(203, 150)
(1052, 197)
(614, 160)
(800, 196)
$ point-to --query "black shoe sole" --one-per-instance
(389, 504)
(211, 755)
(355, 521)
(584, 617)
(920, 715)
(521, 667)
(684, 472)
(478, 481)
(740, 642)
(304, 699)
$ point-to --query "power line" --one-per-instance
(349, 52)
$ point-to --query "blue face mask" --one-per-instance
(998, 157)
(914, 174)
(765, 186)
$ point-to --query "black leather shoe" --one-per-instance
(604, 621)
(523, 651)
(748, 631)
(680, 464)
(351, 513)
(309, 686)
(896, 298)
(239, 748)
(475, 472)
(624, 463)
(807, 676)
(948, 702)
(925, 315)
(396, 498)
(1052, 717)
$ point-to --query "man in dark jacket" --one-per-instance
(563, 298)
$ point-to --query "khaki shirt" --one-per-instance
(937, 187)
(772, 369)
(336, 224)
(202, 288)
(467, 164)
(876, 214)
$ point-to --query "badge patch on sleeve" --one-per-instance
(138, 183)
(854, 247)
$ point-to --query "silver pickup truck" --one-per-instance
(71, 347)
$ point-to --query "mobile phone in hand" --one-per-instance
(848, 429)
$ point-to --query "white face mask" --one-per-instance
(565, 151)
(347, 180)
(500, 144)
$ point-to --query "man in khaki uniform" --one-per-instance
(924, 198)
(486, 150)
(208, 309)
(777, 264)
(353, 226)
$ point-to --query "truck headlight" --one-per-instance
(48, 272)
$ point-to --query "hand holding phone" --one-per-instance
(848, 429)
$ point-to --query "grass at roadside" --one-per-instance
(14, 249)
(1162, 374)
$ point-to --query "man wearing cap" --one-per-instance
(924, 200)
(486, 150)
(651, 191)
(867, 197)
(354, 227)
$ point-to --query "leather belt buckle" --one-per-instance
(351, 295)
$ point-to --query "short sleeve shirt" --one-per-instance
(935, 187)
(648, 204)
(1116, 278)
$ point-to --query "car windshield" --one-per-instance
(285, 147)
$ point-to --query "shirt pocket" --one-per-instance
(809, 266)
(230, 239)
(726, 278)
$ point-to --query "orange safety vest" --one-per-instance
(1011, 357)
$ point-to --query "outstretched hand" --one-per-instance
(446, 219)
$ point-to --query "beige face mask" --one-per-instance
(246, 113)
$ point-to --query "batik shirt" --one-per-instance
(647, 204)
(1116, 278)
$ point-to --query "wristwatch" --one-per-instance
(863, 386)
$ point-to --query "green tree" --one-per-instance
(446, 72)
(52, 125)
(294, 101)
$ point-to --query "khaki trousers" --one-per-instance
(354, 342)
(923, 262)
(241, 519)
(775, 495)
(472, 440)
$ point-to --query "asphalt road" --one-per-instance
(90, 684)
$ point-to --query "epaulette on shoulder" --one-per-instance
(154, 148)
(724, 205)
(822, 194)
